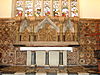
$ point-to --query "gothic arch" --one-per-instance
(43, 23)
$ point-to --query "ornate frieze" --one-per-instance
(47, 29)
(21, 58)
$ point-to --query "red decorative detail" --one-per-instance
(93, 34)
(99, 67)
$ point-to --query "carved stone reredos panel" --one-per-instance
(25, 26)
(10, 55)
(47, 29)
(43, 24)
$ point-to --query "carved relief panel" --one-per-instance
(47, 33)
(69, 36)
(8, 57)
(73, 57)
(86, 57)
(25, 36)
(21, 58)
(7, 34)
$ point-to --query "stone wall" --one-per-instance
(10, 34)
(89, 35)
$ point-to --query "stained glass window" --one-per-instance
(28, 8)
(19, 8)
(56, 10)
(38, 8)
(46, 7)
(65, 9)
(74, 8)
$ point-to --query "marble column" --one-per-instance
(40, 58)
(53, 58)
(28, 58)
(65, 58)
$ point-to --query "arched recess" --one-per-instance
(46, 21)
(47, 33)
(47, 30)
(69, 31)
(25, 35)
(25, 31)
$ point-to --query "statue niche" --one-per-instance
(47, 33)
(69, 36)
(25, 36)
(69, 30)
(46, 30)
(25, 31)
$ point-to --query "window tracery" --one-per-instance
(74, 8)
(65, 11)
(28, 8)
(38, 8)
(65, 8)
(56, 10)
(46, 7)
(19, 8)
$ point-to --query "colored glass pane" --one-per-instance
(66, 8)
(74, 8)
(28, 8)
(46, 7)
(38, 8)
(65, 11)
(19, 8)
(56, 11)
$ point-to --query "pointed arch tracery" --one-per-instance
(65, 8)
